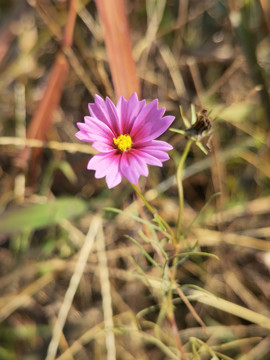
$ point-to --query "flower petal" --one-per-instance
(148, 158)
(152, 128)
(98, 127)
(132, 168)
(114, 119)
(140, 161)
(102, 147)
(95, 130)
(113, 178)
(157, 144)
(160, 155)
(99, 111)
(106, 165)
(132, 117)
(102, 112)
(128, 110)
(83, 136)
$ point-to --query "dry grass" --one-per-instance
(67, 295)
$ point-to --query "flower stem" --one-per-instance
(155, 213)
(179, 180)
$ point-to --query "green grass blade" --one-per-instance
(41, 215)
(148, 257)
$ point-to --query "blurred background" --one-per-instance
(214, 54)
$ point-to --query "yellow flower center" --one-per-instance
(123, 142)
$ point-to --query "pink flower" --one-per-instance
(124, 136)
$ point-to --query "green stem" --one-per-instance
(154, 212)
(179, 180)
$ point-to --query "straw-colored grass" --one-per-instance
(85, 272)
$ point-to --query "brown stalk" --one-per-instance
(69, 28)
(6, 38)
(175, 331)
(41, 122)
(119, 49)
(266, 11)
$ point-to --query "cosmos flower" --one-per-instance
(124, 135)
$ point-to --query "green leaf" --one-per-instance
(200, 146)
(190, 254)
(148, 257)
(138, 219)
(193, 114)
(201, 211)
(185, 120)
(68, 171)
(41, 215)
(63, 166)
(182, 132)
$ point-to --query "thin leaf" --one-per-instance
(182, 132)
(200, 212)
(232, 308)
(193, 114)
(41, 215)
(185, 120)
(138, 219)
(196, 287)
(201, 147)
(191, 253)
(148, 257)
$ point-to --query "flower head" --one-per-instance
(125, 137)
